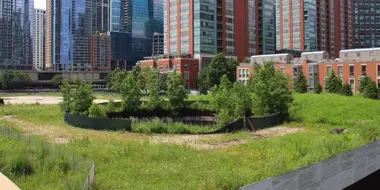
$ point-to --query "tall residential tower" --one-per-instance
(39, 39)
(205, 28)
(314, 25)
(367, 23)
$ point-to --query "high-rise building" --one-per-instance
(101, 15)
(335, 26)
(101, 52)
(296, 25)
(69, 27)
(366, 23)
(116, 16)
(16, 34)
(158, 44)
(205, 28)
(39, 39)
(314, 25)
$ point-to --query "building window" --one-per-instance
(311, 83)
(378, 70)
(352, 70)
(378, 83)
(364, 70)
(340, 71)
(186, 75)
(352, 85)
(282, 70)
(240, 73)
(186, 66)
(329, 70)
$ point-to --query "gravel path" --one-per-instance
(39, 99)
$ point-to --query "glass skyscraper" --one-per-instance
(72, 32)
(16, 34)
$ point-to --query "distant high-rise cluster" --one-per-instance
(16, 34)
(201, 29)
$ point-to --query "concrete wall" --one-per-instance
(333, 174)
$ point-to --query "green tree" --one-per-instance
(218, 67)
(111, 106)
(176, 93)
(203, 83)
(115, 79)
(7, 79)
(131, 93)
(163, 81)
(364, 83)
(300, 85)
(270, 89)
(318, 89)
(231, 101)
(142, 78)
(77, 97)
(333, 84)
(57, 80)
(14, 80)
(153, 89)
(371, 91)
(346, 90)
(97, 111)
(246, 60)
(20, 80)
(136, 70)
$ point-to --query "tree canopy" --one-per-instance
(300, 85)
(176, 91)
(218, 67)
(270, 90)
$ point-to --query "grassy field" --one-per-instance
(139, 161)
(34, 164)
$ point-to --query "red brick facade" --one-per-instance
(349, 72)
(188, 67)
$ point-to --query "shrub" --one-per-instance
(63, 164)
(131, 93)
(346, 90)
(111, 106)
(364, 82)
(77, 97)
(97, 111)
(318, 89)
(13, 79)
(333, 84)
(176, 92)
(20, 165)
(371, 91)
(270, 90)
(153, 88)
(57, 80)
(300, 85)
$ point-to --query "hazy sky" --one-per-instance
(40, 4)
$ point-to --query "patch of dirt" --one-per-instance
(38, 130)
(275, 131)
(195, 141)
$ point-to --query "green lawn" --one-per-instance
(131, 161)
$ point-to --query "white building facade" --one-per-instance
(39, 39)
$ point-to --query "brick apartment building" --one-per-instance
(352, 65)
(317, 25)
(184, 64)
(204, 28)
